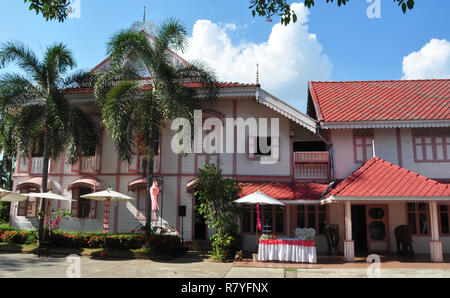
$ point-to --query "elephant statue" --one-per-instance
(332, 235)
(403, 236)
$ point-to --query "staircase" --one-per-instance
(200, 247)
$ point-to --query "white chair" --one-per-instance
(305, 234)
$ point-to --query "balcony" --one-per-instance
(311, 165)
(88, 164)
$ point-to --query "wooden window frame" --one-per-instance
(24, 210)
(138, 199)
(316, 213)
(440, 221)
(75, 204)
(433, 134)
(416, 213)
(364, 145)
(252, 210)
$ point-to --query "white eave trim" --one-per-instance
(331, 199)
(296, 202)
(385, 124)
(286, 110)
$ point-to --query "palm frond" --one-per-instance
(200, 72)
(110, 78)
(117, 116)
(130, 45)
(57, 60)
(16, 90)
(172, 34)
(84, 137)
(80, 78)
(28, 124)
(14, 51)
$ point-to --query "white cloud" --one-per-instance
(287, 60)
(430, 62)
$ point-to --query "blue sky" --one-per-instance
(347, 45)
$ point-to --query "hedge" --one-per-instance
(159, 243)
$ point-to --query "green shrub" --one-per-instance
(225, 245)
(167, 244)
(18, 236)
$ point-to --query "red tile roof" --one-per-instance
(189, 85)
(379, 178)
(285, 191)
(381, 100)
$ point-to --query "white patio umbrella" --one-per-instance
(258, 198)
(10, 196)
(107, 196)
(47, 195)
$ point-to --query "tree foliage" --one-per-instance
(216, 195)
(33, 106)
(50, 9)
(269, 8)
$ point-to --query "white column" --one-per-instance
(349, 246)
(435, 243)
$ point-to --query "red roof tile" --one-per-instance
(381, 100)
(285, 191)
(379, 178)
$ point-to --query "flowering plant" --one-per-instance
(54, 218)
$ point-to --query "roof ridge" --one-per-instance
(368, 81)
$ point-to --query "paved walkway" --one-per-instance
(191, 266)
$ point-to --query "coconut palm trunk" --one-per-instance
(42, 205)
(148, 200)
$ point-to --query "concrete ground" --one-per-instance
(192, 266)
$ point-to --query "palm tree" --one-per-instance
(134, 112)
(35, 107)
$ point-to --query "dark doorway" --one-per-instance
(359, 228)
(200, 227)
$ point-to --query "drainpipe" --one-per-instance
(331, 149)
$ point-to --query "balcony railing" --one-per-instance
(312, 157)
(88, 164)
(311, 165)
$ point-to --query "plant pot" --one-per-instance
(255, 257)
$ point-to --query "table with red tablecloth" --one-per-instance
(287, 250)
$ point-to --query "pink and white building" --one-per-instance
(385, 145)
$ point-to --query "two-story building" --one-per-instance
(405, 124)
(391, 160)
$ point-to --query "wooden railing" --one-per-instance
(312, 156)
(311, 165)
(88, 164)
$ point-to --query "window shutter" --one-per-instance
(22, 208)
(31, 207)
(93, 209)
(251, 147)
(74, 204)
